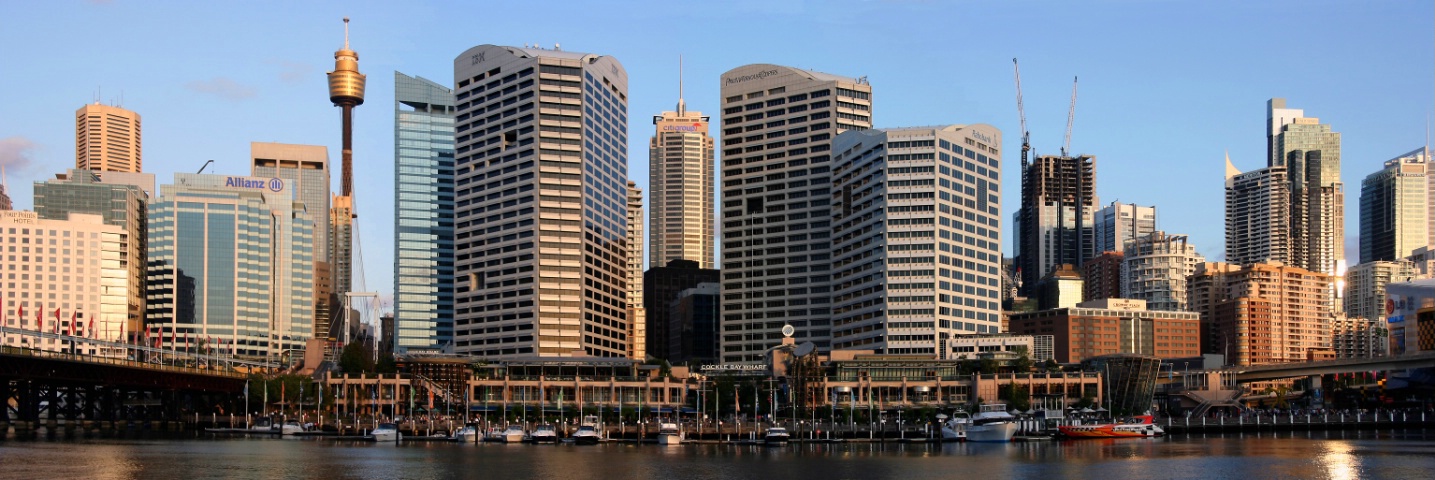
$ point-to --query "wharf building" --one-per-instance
(661, 287)
(65, 275)
(1155, 269)
(1257, 215)
(540, 217)
(305, 170)
(1395, 208)
(1310, 153)
(107, 138)
(1111, 326)
(231, 262)
(1055, 222)
(852, 380)
(637, 309)
(916, 246)
(1003, 347)
(681, 182)
(778, 127)
(120, 199)
(1118, 224)
(1262, 313)
(423, 215)
(1411, 316)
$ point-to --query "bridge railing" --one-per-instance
(74, 348)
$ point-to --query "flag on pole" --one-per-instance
(91, 330)
(72, 323)
(56, 328)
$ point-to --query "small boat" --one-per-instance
(1140, 426)
(776, 436)
(262, 425)
(514, 434)
(291, 427)
(954, 428)
(386, 432)
(544, 434)
(466, 434)
(589, 432)
(669, 434)
(992, 424)
(495, 435)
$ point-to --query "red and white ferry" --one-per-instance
(1141, 426)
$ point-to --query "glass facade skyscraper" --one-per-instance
(423, 215)
(231, 260)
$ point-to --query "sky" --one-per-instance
(1167, 88)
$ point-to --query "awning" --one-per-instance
(482, 408)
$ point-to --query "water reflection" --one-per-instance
(1334, 455)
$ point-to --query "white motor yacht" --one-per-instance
(589, 432)
(544, 434)
(992, 424)
(776, 436)
(954, 428)
(262, 425)
(291, 427)
(467, 434)
(669, 434)
(386, 432)
(514, 434)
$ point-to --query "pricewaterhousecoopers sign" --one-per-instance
(753, 76)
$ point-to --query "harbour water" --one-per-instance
(1334, 455)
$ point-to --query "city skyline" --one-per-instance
(266, 87)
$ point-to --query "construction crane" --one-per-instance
(1070, 117)
(1021, 112)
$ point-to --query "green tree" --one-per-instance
(1017, 396)
(386, 364)
(988, 365)
(1086, 402)
(356, 359)
(1051, 365)
(1023, 362)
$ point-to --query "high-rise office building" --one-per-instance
(1055, 223)
(637, 311)
(231, 259)
(84, 286)
(1257, 215)
(341, 244)
(423, 215)
(1119, 223)
(916, 252)
(542, 172)
(661, 286)
(1365, 283)
(1262, 312)
(1101, 276)
(107, 139)
(778, 127)
(120, 200)
(1155, 269)
(693, 336)
(680, 188)
(305, 168)
(1395, 208)
(1310, 152)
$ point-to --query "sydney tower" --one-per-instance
(346, 90)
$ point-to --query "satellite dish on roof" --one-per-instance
(804, 349)
(787, 330)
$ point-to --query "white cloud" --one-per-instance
(223, 88)
(15, 152)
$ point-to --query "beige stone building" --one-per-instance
(107, 139)
(637, 313)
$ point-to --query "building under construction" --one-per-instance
(1054, 225)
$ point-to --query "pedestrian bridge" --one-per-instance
(1276, 371)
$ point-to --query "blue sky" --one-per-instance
(1166, 87)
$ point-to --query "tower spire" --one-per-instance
(682, 106)
(346, 33)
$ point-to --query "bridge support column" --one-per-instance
(1316, 390)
